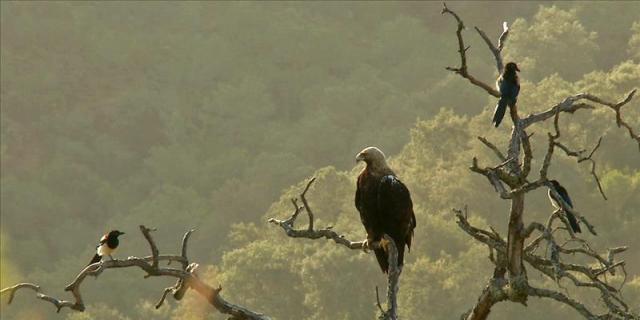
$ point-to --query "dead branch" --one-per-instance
(581, 158)
(187, 279)
(552, 267)
(493, 148)
(496, 175)
(510, 181)
(569, 105)
(497, 51)
(310, 233)
(462, 70)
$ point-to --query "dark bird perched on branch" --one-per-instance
(108, 244)
(565, 196)
(509, 86)
(384, 204)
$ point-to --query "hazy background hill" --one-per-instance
(178, 115)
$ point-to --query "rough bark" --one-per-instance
(510, 179)
(187, 278)
(393, 276)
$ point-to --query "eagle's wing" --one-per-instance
(359, 202)
(396, 207)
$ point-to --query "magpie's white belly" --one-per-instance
(104, 250)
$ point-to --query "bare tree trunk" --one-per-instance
(515, 247)
(512, 253)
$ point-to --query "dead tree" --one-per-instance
(311, 233)
(186, 275)
(511, 180)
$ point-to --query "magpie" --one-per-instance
(509, 86)
(565, 196)
(108, 244)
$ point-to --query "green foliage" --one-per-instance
(201, 114)
(98, 311)
(634, 42)
(549, 43)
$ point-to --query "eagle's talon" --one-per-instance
(365, 245)
(384, 204)
(384, 244)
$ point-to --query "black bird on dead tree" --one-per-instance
(565, 196)
(509, 86)
(385, 206)
(107, 245)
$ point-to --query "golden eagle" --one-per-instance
(385, 206)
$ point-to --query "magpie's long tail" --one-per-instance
(95, 259)
(573, 222)
(498, 113)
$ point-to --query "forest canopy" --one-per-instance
(213, 115)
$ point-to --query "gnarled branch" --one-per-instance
(463, 70)
(552, 267)
(311, 233)
(187, 278)
(510, 180)
(569, 105)
(497, 51)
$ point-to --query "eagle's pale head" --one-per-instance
(373, 157)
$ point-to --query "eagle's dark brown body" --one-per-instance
(385, 207)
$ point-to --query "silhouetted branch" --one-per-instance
(493, 148)
(497, 51)
(288, 226)
(187, 278)
(561, 297)
(510, 180)
(581, 158)
(310, 233)
(569, 105)
(496, 175)
(552, 267)
(462, 70)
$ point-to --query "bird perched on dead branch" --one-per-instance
(385, 205)
(107, 245)
(509, 86)
(565, 196)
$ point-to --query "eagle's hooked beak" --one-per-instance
(359, 157)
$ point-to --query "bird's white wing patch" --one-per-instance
(554, 202)
(104, 250)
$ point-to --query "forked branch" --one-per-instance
(463, 69)
(186, 275)
(553, 266)
(510, 179)
(311, 233)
